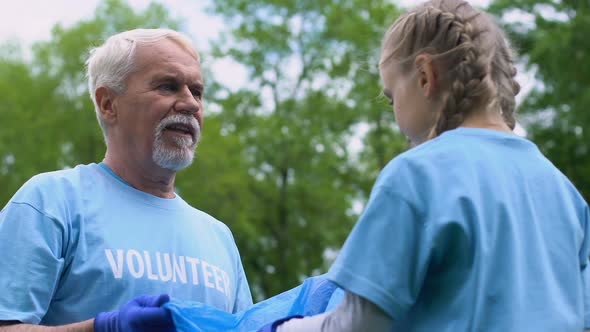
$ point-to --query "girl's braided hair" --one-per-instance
(475, 56)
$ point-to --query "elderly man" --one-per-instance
(78, 244)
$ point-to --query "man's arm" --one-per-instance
(144, 313)
(15, 326)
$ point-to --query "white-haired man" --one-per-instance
(78, 244)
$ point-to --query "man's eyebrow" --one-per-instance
(168, 77)
(164, 77)
(198, 85)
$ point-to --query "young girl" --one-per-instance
(473, 229)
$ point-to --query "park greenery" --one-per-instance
(276, 163)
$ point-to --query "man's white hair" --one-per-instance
(110, 64)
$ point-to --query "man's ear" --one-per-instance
(105, 99)
(427, 74)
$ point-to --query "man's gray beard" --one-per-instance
(178, 152)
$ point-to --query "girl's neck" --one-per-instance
(491, 118)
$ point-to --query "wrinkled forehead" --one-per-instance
(165, 48)
(187, 46)
(167, 55)
(166, 59)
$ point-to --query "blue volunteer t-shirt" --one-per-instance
(473, 231)
(77, 242)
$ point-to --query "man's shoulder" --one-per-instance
(220, 234)
(55, 183)
(64, 176)
(57, 193)
(214, 223)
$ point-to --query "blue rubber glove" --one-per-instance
(272, 327)
(141, 314)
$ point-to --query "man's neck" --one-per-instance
(151, 179)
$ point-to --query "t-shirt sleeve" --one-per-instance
(385, 257)
(243, 295)
(586, 283)
(584, 266)
(31, 261)
(243, 299)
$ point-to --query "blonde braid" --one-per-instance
(471, 84)
(475, 62)
(503, 73)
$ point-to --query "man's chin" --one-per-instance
(174, 163)
(179, 142)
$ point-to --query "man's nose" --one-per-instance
(187, 102)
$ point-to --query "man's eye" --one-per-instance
(197, 94)
(168, 87)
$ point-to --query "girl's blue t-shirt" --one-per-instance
(472, 231)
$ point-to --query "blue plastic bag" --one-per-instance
(314, 296)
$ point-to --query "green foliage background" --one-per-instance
(275, 162)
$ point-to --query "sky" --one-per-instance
(29, 21)
(32, 20)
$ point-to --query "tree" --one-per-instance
(313, 79)
(556, 112)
